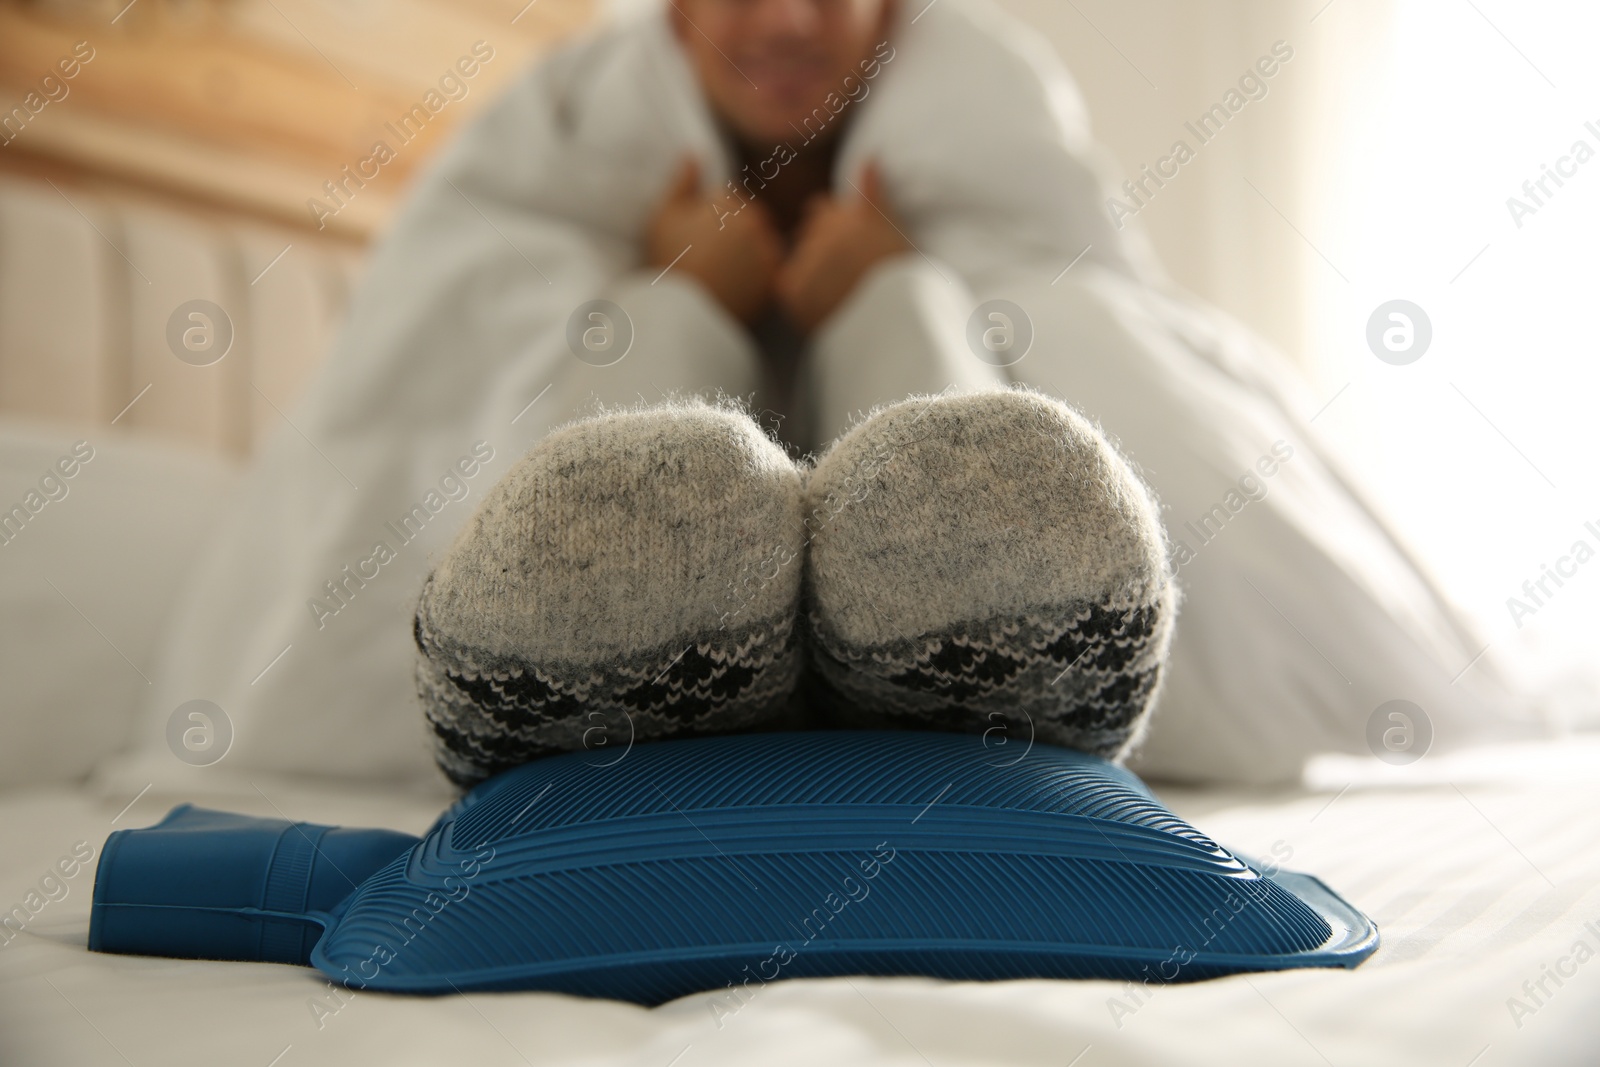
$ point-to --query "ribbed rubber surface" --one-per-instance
(692, 865)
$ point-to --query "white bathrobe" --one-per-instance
(1300, 616)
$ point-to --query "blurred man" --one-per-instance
(823, 205)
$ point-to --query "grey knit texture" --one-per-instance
(986, 563)
(634, 577)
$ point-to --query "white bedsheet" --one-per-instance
(1481, 870)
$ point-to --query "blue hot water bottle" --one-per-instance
(698, 864)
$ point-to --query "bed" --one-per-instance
(1478, 867)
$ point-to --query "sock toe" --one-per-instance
(986, 563)
(634, 577)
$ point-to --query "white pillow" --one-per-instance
(96, 531)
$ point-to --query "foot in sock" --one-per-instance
(635, 577)
(985, 563)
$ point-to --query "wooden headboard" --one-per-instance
(156, 153)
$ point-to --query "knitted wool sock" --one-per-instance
(986, 563)
(635, 576)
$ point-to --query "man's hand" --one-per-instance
(840, 241)
(736, 257)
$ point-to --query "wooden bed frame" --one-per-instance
(157, 153)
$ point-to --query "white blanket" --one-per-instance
(1482, 874)
(1301, 616)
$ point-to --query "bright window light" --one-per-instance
(1463, 176)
